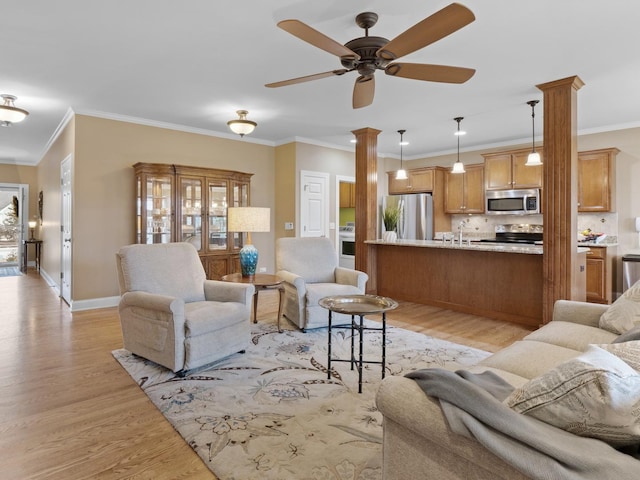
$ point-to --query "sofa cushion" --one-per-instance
(529, 359)
(593, 395)
(624, 313)
(206, 317)
(571, 335)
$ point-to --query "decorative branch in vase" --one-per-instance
(390, 218)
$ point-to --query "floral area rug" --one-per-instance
(272, 413)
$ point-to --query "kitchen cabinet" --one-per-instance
(464, 192)
(418, 180)
(600, 274)
(178, 203)
(347, 195)
(596, 180)
(507, 170)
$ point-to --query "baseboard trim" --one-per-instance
(94, 303)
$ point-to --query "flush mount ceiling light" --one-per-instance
(241, 125)
(402, 173)
(458, 167)
(533, 159)
(9, 113)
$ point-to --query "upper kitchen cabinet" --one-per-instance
(464, 192)
(507, 170)
(347, 195)
(189, 204)
(419, 180)
(596, 180)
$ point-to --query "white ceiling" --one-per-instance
(192, 63)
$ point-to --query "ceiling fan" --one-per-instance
(368, 54)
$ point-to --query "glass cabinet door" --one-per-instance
(217, 215)
(156, 216)
(191, 209)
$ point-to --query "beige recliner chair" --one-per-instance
(308, 268)
(171, 315)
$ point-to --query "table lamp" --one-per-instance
(248, 219)
(32, 227)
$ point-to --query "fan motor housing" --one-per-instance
(366, 48)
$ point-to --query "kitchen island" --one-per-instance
(501, 281)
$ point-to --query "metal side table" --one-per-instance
(358, 305)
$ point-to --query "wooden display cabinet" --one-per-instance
(507, 170)
(178, 203)
(464, 192)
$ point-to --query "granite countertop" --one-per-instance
(479, 246)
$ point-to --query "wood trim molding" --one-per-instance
(366, 201)
(560, 192)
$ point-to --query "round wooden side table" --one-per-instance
(261, 281)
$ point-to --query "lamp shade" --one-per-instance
(241, 125)
(9, 113)
(248, 219)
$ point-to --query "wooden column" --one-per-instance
(366, 201)
(560, 191)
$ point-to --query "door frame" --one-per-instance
(64, 294)
(339, 178)
(23, 213)
(326, 179)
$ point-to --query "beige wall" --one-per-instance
(285, 189)
(104, 194)
(49, 184)
(324, 160)
(103, 207)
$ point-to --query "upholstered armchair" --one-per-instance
(170, 314)
(308, 268)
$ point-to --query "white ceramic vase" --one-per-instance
(389, 236)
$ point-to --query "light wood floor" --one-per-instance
(69, 411)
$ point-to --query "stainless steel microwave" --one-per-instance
(513, 202)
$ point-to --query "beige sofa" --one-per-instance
(418, 443)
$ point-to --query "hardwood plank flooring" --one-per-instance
(69, 411)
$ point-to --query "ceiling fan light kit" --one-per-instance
(533, 160)
(367, 54)
(402, 173)
(241, 125)
(9, 113)
(458, 167)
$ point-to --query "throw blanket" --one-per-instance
(472, 405)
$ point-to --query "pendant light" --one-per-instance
(241, 125)
(402, 173)
(533, 160)
(458, 167)
(9, 113)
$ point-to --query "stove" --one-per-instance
(522, 233)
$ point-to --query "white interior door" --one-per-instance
(314, 204)
(66, 176)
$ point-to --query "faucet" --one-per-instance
(460, 227)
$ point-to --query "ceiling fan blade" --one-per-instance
(315, 38)
(307, 78)
(430, 73)
(363, 91)
(442, 23)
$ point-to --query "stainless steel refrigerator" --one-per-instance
(416, 215)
